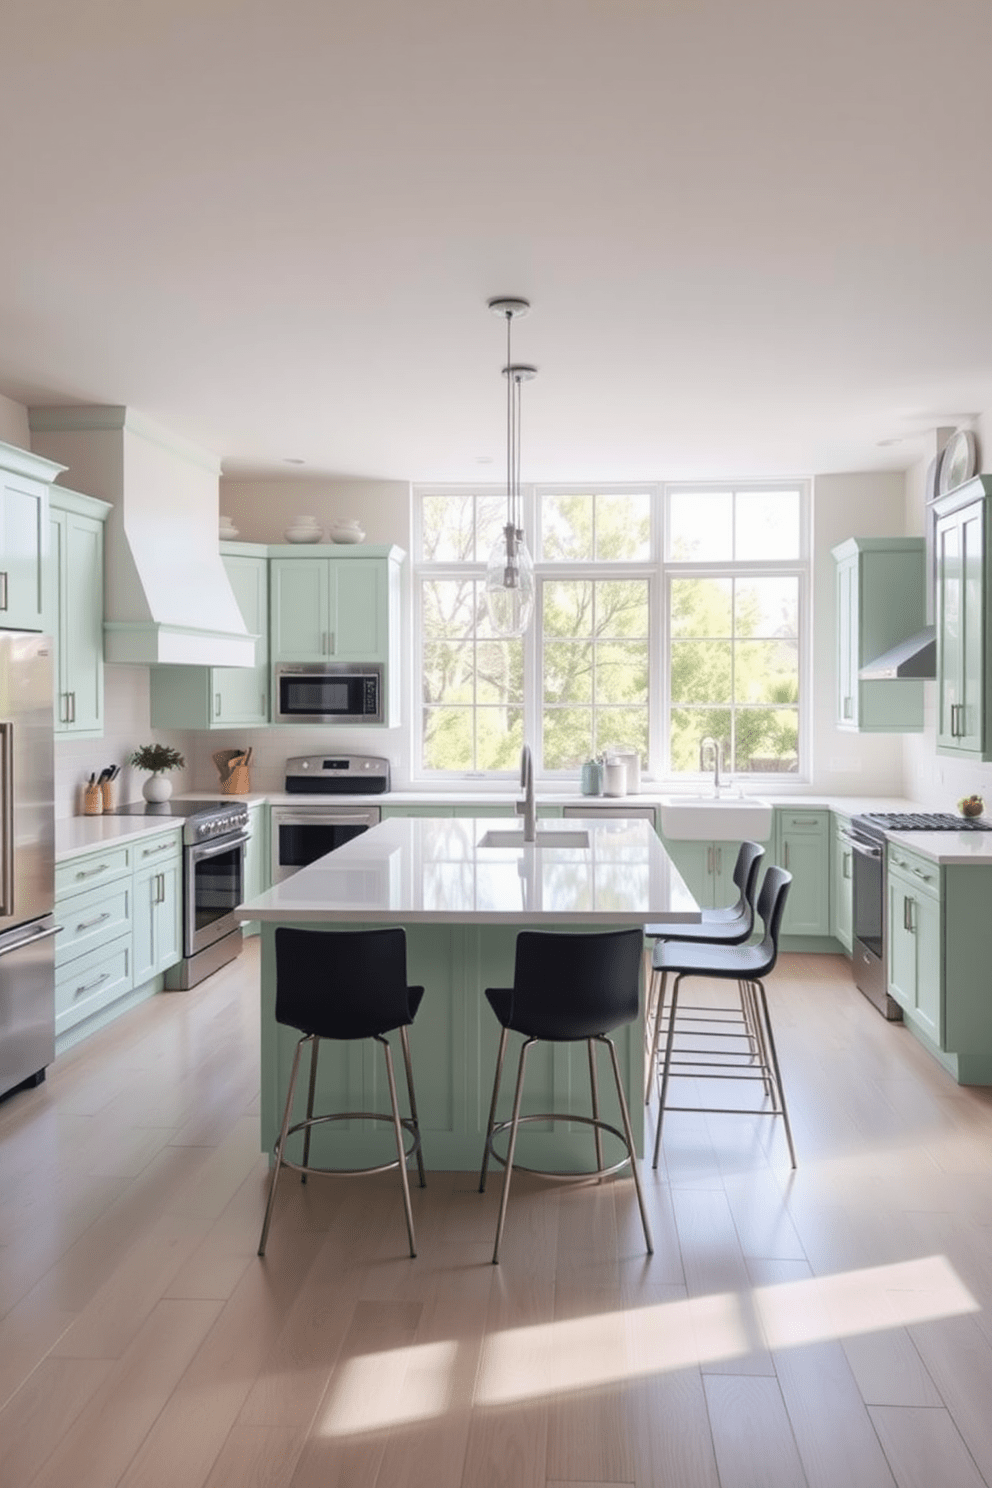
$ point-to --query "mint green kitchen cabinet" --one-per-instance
(802, 845)
(24, 537)
(158, 935)
(223, 697)
(74, 610)
(881, 600)
(841, 883)
(256, 858)
(708, 870)
(964, 621)
(913, 905)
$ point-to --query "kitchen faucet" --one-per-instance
(526, 807)
(716, 760)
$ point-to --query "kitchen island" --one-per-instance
(462, 891)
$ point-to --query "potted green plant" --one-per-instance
(157, 758)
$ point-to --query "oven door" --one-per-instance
(213, 888)
(301, 835)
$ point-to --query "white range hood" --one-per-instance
(168, 600)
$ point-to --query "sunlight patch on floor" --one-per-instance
(416, 1382)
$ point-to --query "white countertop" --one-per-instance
(431, 869)
(75, 835)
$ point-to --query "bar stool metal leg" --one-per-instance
(760, 989)
(492, 1109)
(661, 977)
(514, 1123)
(404, 1040)
(401, 1153)
(314, 1049)
(287, 1112)
(594, 1087)
(628, 1131)
(669, 1043)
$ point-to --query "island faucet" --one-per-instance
(526, 807)
(715, 744)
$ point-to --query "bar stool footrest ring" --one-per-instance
(405, 1121)
(583, 1176)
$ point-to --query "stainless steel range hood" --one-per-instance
(168, 599)
(915, 657)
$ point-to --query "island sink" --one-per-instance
(515, 838)
(712, 818)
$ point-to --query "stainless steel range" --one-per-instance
(215, 834)
(305, 832)
(867, 837)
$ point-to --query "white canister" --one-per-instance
(614, 778)
(632, 760)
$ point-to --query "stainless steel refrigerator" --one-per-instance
(27, 859)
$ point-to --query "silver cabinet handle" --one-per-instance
(262, 702)
(785, 864)
(719, 860)
(92, 872)
(845, 865)
(161, 887)
(88, 924)
(3, 590)
(151, 852)
(72, 701)
(90, 986)
(216, 704)
(926, 877)
(709, 860)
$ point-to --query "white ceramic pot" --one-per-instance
(304, 530)
(157, 787)
(350, 531)
(614, 778)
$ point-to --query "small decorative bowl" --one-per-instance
(349, 531)
(971, 806)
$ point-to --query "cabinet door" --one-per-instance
(256, 857)
(841, 891)
(301, 628)
(359, 610)
(804, 851)
(240, 694)
(902, 945)
(157, 920)
(929, 980)
(960, 626)
(847, 643)
(23, 552)
(81, 597)
(971, 731)
(694, 860)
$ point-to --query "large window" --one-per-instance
(627, 648)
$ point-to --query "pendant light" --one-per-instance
(510, 570)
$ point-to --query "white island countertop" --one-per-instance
(432, 870)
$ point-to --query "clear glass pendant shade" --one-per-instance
(510, 584)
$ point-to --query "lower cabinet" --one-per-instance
(802, 846)
(256, 858)
(914, 915)
(841, 884)
(119, 912)
(708, 870)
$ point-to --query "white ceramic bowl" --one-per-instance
(346, 532)
(304, 529)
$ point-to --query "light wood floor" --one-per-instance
(830, 1328)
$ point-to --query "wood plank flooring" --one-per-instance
(830, 1327)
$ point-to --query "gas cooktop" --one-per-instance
(920, 821)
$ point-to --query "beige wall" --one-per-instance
(14, 423)
(262, 510)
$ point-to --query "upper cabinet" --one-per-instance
(74, 610)
(329, 604)
(223, 697)
(24, 484)
(881, 600)
(963, 613)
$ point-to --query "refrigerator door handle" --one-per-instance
(7, 818)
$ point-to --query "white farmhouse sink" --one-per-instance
(513, 838)
(712, 819)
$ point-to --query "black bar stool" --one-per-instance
(730, 926)
(345, 984)
(747, 965)
(566, 989)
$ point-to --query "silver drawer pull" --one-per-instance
(92, 872)
(150, 852)
(88, 924)
(90, 986)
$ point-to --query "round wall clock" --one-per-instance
(959, 461)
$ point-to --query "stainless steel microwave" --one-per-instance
(331, 692)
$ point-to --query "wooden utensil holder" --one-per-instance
(109, 795)
(92, 800)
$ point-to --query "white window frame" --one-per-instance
(800, 568)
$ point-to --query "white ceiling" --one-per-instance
(757, 236)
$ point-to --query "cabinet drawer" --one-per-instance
(802, 821)
(91, 982)
(153, 851)
(922, 873)
(92, 869)
(92, 919)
